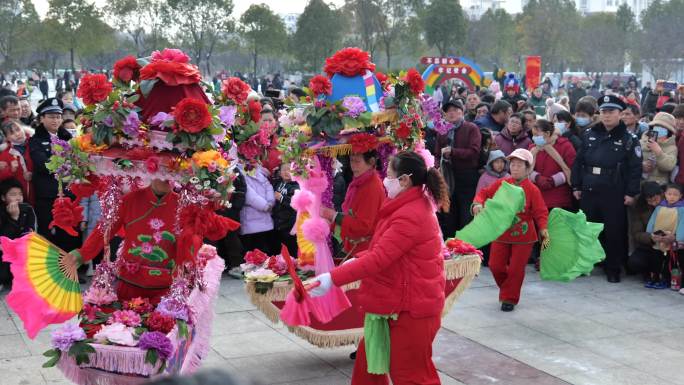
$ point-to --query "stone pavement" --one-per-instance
(587, 332)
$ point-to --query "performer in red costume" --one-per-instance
(402, 278)
(148, 217)
(510, 252)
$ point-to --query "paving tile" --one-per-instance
(672, 338)
(293, 367)
(562, 358)
(509, 337)
(630, 349)
(583, 304)
(571, 328)
(26, 371)
(333, 379)
(460, 318)
(7, 325)
(668, 368)
(251, 344)
(621, 375)
(237, 323)
(13, 346)
(643, 298)
(233, 304)
(634, 321)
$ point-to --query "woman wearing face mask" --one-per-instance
(584, 114)
(361, 202)
(565, 124)
(513, 136)
(510, 252)
(659, 150)
(554, 157)
(401, 273)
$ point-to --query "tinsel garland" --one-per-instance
(327, 197)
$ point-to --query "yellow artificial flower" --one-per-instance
(85, 143)
(206, 158)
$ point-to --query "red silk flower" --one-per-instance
(94, 88)
(362, 143)
(320, 85)
(348, 62)
(403, 131)
(415, 81)
(382, 78)
(158, 322)
(171, 73)
(192, 115)
(127, 69)
(66, 214)
(235, 89)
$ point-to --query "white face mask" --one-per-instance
(393, 186)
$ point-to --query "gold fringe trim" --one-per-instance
(337, 150)
(330, 338)
(466, 268)
(387, 116)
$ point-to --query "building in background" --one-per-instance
(475, 8)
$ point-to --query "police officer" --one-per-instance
(44, 183)
(605, 178)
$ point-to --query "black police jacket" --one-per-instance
(40, 149)
(607, 161)
(284, 216)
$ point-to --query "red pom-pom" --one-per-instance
(362, 143)
(66, 214)
(94, 88)
(320, 85)
(382, 78)
(415, 81)
(348, 62)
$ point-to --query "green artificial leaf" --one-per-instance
(100, 115)
(151, 356)
(140, 330)
(116, 305)
(171, 264)
(162, 367)
(215, 130)
(144, 238)
(166, 235)
(182, 328)
(53, 360)
(146, 86)
(134, 98)
(52, 353)
(263, 287)
(137, 251)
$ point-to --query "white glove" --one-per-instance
(324, 287)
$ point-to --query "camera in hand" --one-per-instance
(652, 135)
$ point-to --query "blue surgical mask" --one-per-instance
(561, 126)
(539, 140)
(582, 121)
(662, 131)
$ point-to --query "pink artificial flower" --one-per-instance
(116, 333)
(126, 317)
(170, 54)
(99, 296)
(90, 311)
(156, 224)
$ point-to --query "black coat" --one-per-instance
(40, 150)
(13, 229)
(237, 198)
(284, 216)
(339, 191)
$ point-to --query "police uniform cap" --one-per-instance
(611, 102)
(50, 106)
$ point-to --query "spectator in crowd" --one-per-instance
(666, 227)
(564, 122)
(529, 118)
(472, 102)
(538, 101)
(513, 136)
(44, 87)
(27, 115)
(231, 247)
(45, 184)
(284, 215)
(70, 112)
(461, 148)
(605, 179)
(630, 116)
(584, 115)
(659, 149)
(13, 164)
(650, 197)
(16, 219)
(554, 156)
(495, 169)
(9, 108)
(576, 93)
(481, 110)
(256, 222)
(496, 119)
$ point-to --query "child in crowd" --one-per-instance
(284, 216)
(13, 163)
(70, 125)
(666, 227)
(16, 219)
(495, 169)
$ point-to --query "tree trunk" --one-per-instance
(388, 53)
(71, 55)
(256, 54)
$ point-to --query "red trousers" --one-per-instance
(410, 354)
(507, 263)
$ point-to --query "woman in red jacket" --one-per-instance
(402, 276)
(554, 156)
(509, 253)
(361, 203)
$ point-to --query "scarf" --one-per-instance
(354, 186)
(452, 133)
(376, 337)
(664, 203)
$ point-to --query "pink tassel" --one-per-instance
(301, 200)
(316, 229)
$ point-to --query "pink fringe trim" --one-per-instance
(114, 365)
